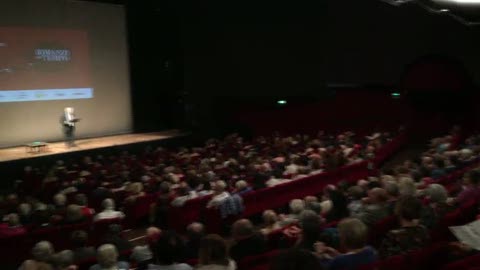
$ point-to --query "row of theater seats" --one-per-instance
(277, 196)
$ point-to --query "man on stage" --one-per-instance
(68, 121)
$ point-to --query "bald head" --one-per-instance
(153, 233)
(196, 227)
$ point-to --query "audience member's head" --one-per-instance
(24, 209)
(60, 200)
(73, 213)
(297, 206)
(406, 186)
(242, 228)
(43, 251)
(213, 250)
(195, 231)
(315, 207)
(220, 187)
(408, 208)
(377, 196)
(108, 204)
(310, 199)
(362, 183)
(241, 185)
(353, 234)
(164, 187)
(107, 256)
(436, 193)
(355, 193)
(270, 218)
(63, 260)
(13, 220)
(153, 234)
(391, 188)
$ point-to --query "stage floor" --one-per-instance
(19, 152)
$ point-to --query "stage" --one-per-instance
(55, 148)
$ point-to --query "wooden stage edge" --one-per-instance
(55, 148)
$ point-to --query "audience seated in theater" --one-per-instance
(25, 213)
(353, 240)
(143, 255)
(275, 179)
(73, 215)
(82, 201)
(114, 236)
(162, 204)
(410, 235)
(339, 208)
(295, 259)
(168, 250)
(391, 188)
(41, 216)
(107, 258)
(471, 188)
(296, 207)
(260, 176)
(81, 250)
(183, 195)
(374, 207)
(194, 235)
(407, 187)
(437, 207)
(355, 195)
(213, 254)
(270, 222)
(309, 231)
(60, 204)
(220, 194)
(109, 211)
(247, 241)
(242, 188)
(64, 260)
(134, 190)
(12, 227)
(312, 203)
(42, 254)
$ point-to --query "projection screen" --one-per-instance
(62, 53)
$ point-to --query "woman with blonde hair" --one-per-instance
(270, 221)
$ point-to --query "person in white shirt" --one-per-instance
(219, 194)
(109, 211)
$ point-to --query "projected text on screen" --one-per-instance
(44, 64)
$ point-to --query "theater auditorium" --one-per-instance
(239, 135)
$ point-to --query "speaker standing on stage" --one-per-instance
(68, 121)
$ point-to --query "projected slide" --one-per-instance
(44, 64)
